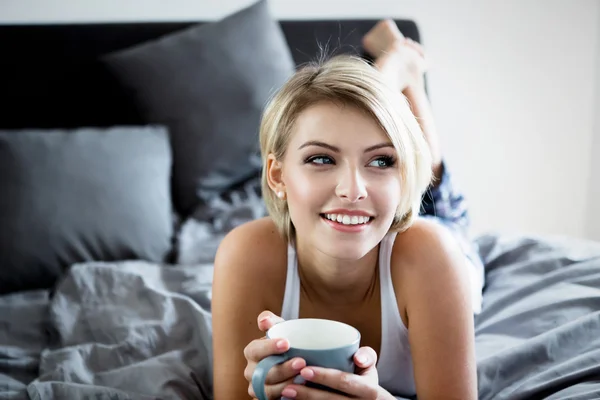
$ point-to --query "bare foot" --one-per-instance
(403, 64)
(400, 59)
(382, 37)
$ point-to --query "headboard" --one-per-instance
(50, 76)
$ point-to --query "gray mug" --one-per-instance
(320, 342)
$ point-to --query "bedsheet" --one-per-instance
(538, 335)
(136, 330)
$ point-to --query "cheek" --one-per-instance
(299, 188)
(305, 192)
(387, 195)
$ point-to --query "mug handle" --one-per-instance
(262, 369)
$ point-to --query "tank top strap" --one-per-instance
(395, 363)
(291, 298)
(392, 327)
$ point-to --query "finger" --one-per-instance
(287, 370)
(261, 348)
(301, 392)
(349, 383)
(251, 392)
(272, 391)
(365, 358)
(276, 391)
(267, 319)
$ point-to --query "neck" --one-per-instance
(337, 282)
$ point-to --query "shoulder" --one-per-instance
(438, 310)
(251, 254)
(428, 265)
(252, 240)
(426, 240)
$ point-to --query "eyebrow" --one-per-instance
(337, 150)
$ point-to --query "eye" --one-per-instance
(319, 160)
(383, 162)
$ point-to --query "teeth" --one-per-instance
(347, 219)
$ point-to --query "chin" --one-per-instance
(348, 245)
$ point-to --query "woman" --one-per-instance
(346, 165)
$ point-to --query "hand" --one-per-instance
(364, 384)
(279, 376)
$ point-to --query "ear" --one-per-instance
(275, 174)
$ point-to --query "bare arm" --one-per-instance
(233, 327)
(240, 273)
(440, 319)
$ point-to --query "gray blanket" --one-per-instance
(138, 331)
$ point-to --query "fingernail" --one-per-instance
(361, 359)
(281, 344)
(289, 393)
(265, 318)
(307, 373)
(298, 364)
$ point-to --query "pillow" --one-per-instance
(80, 195)
(208, 84)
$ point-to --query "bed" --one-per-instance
(113, 201)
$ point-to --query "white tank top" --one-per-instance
(394, 365)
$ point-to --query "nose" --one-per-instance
(351, 185)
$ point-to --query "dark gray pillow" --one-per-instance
(81, 195)
(209, 84)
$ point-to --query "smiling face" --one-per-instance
(326, 145)
(341, 178)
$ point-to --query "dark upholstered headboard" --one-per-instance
(50, 76)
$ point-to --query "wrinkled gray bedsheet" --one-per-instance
(135, 330)
(23, 318)
(538, 335)
(128, 330)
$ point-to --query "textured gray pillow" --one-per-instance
(209, 84)
(81, 195)
(200, 234)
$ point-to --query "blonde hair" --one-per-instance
(347, 80)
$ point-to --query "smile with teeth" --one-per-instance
(347, 219)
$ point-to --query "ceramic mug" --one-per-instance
(320, 342)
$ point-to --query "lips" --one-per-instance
(349, 224)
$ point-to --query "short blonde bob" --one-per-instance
(347, 80)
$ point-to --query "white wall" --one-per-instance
(593, 218)
(514, 84)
